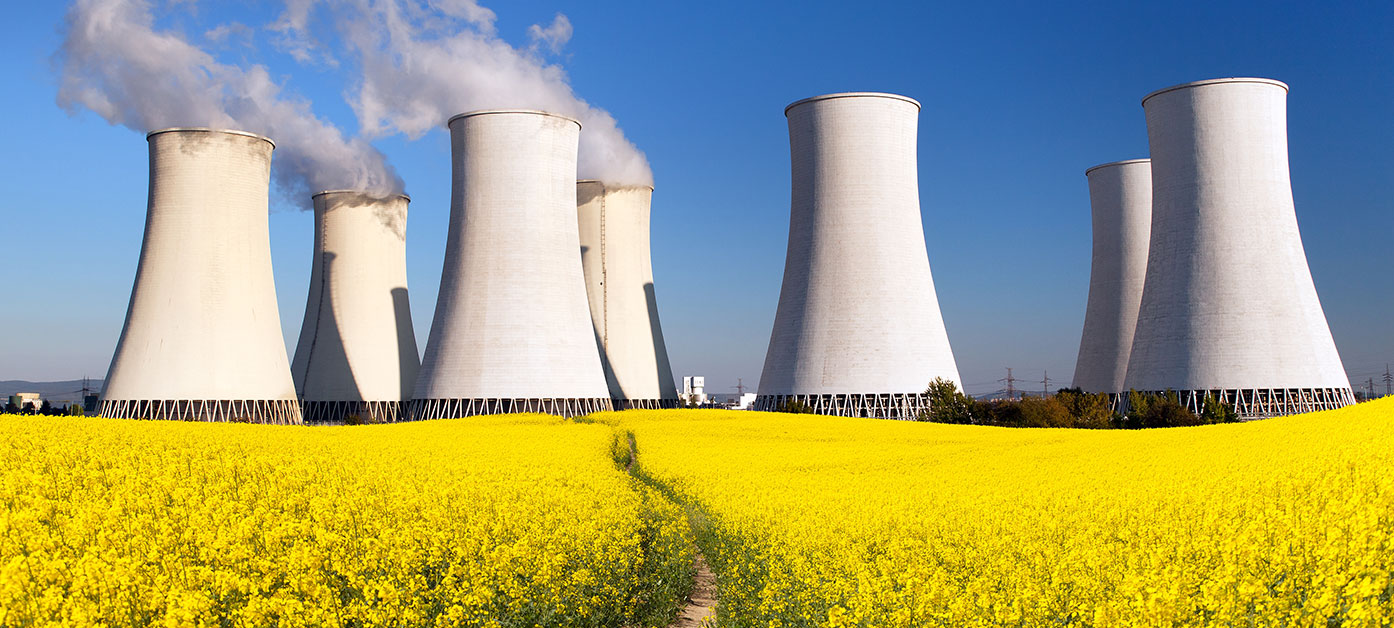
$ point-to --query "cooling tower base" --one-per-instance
(1260, 403)
(425, 409)
(899, 406)
(353, 411)
(644, 404)
(272, 411)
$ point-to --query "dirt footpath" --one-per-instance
(700, 609)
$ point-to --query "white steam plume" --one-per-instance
(114, 62)
(425, 62)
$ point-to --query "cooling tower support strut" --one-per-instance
(202, 338)
(858, 330)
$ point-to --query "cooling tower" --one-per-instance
(357, 351)
(1120, 199)
(1229, 306)
(512, 329)
(615, 259)
(202, 339)
(858, 330)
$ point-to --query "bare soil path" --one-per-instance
(700, 609)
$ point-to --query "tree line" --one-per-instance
(1068, 407)
(45, 409)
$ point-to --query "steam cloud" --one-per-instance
(422, 63)
(116, 63)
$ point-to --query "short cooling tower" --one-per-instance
(357, 351)
(512, 329)
(858, 330)
(1229, 306)
(615, 258)
(1120, 198)
(202, 339)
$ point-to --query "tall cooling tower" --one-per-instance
(202, 339)
(858, 330)
(512, 329)
(1120, 199)
(615, 258)
(1229, 306)
(357, 351)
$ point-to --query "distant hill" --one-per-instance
(58, 392)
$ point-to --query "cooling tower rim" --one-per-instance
(204, 129)
(805, 101)
(361, 192)
(1110, 164)
(484, 112)
(1216, 81)
(615, 187)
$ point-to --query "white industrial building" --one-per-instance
(357, 355)
(512, 329)
(694, 390)
(616, 261)
(858, 331)
(1229, 306)
(202, 337)
(1120, 199)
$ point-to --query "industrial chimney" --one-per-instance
(357, 351)
(858, 330)
(615, 258)
(1120, 198)
(1229, 306)
(202, 339)
(512, 329)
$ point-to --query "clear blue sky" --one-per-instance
(1019, 98)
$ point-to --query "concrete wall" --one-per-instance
(616, 262)
(202, 322)
(512, 320)
(1229, 300)
(857, 310)
(1120, 199)
(357, 343)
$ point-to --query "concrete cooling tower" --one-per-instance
(615, 259)
(858, 330)
(1229, 306)
(512, 329)
(357, 351)
(202, 339)
(1120, 199)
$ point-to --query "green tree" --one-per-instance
(794, 406)
(1138, 405)
(947, 404)
(1212, 411)
(999, 412)
(1089, 411)
(1044, 412)
(1165, 410)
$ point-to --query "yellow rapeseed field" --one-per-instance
(824, 521)
(520, 521)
